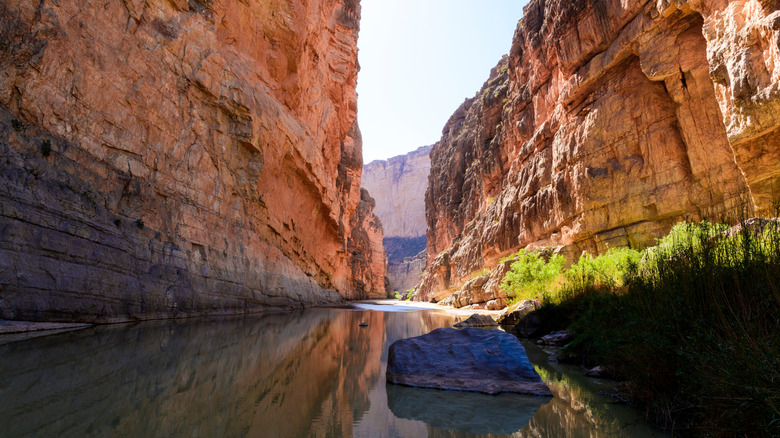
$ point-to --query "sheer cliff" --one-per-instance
(606, 123)
(163, 158)
(398, 185)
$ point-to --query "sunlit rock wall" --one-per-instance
(608, 122)
(169, 158)
(398, 185)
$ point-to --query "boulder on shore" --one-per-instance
(488, 361)
(477, 320)
(516, 312)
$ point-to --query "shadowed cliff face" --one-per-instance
(165, 158)
(607, 123)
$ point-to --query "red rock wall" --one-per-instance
(368, 263)
(608, 122)
(204, 156)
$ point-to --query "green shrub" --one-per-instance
(609, 269)
(531, 276)
(695, 326)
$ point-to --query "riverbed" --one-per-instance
(314, 373)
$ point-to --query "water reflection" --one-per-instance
(470, 412)
(314, 373)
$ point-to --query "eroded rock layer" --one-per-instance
(167, 158)
(608, 122)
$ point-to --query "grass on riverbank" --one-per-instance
(693, 323)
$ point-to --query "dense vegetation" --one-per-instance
(693, 323)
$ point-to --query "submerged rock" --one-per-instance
(600, 371)
(488, 361)
(478, 320)
(556, 338)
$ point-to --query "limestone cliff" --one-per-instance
(399, 185)
(608, 122)
(168, 157)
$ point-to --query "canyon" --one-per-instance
(398, 185)
(176, 158)
(608, 122)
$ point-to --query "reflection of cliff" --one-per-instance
(311, 374)
(215, 378)
(577, 410)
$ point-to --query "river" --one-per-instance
(314, 373)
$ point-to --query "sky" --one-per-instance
(419, 60)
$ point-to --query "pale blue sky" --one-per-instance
(419, 60)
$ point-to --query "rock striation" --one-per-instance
(399, 185)
(607, 123)
(168, 157)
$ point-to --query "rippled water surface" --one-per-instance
(310, 374)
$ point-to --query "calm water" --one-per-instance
(314, 373)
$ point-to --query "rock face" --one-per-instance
(368, 254)
(169, 158)
(489, 361)
(405, 273)
(607, 123)
(398, 185)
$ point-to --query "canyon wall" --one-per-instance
(164, 158)
(608, 122)
(398, 185)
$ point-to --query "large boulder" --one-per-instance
(489, 361)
